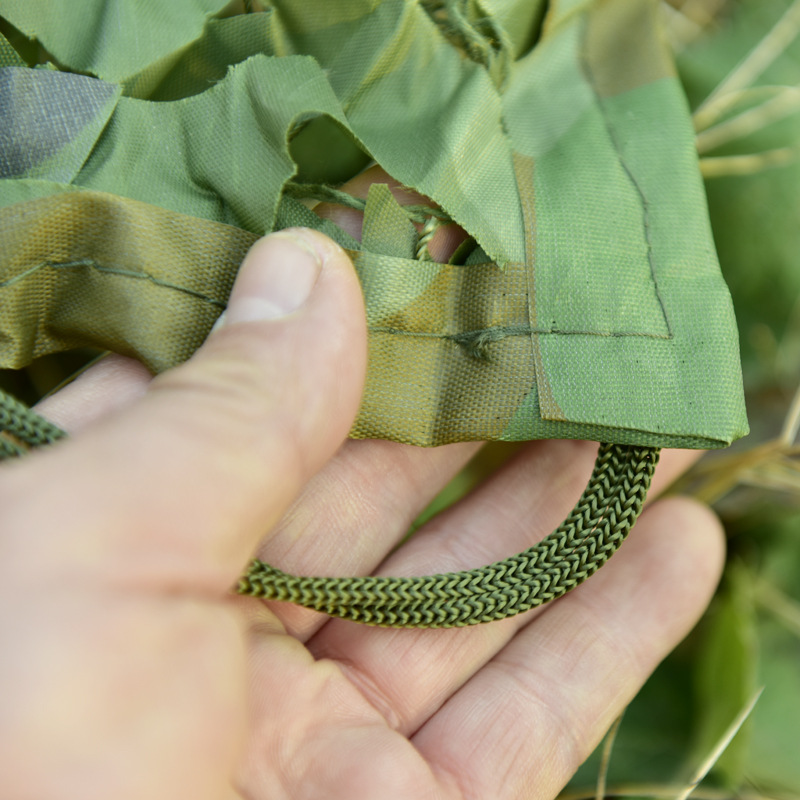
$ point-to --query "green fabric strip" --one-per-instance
(112, 39)
(206, 60)
(591, 304)
(19, 191)
(43, 144)
(518, 19)
(387, 230)
(292, 213)
(425, 148)
(221, 155)
(154, 291)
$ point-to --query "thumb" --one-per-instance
(197, 471)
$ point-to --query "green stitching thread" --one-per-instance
(124, 273)
(426, 235)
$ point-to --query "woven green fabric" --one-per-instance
(592, 303)
(106, 38)
(8, 55)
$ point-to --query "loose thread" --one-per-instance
(328, 194)
(426, 237)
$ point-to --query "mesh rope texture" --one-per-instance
(589, 536)
(586, 539)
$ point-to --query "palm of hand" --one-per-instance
(166, 687)
(508, 709)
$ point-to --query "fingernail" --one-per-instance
(276, 278)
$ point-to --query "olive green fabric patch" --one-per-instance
(591, 305)
(8, 55)
(111, 39)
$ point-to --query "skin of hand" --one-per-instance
(129, 670)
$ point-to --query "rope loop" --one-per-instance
(588, 537)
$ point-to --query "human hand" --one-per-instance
(129, 670)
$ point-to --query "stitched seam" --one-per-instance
(488, 335)
(123, 273)
(614, 139)
(499, 333)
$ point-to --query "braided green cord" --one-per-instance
(9, 448)
(593, 531)
(26, 425)
(589, 536)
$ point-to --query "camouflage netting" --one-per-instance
(142, 154)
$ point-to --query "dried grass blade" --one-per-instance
(719, 748)
(755, 119)
(723, 166)
(791, 424)
(757, 60)
(780, 475)
(608, 747)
